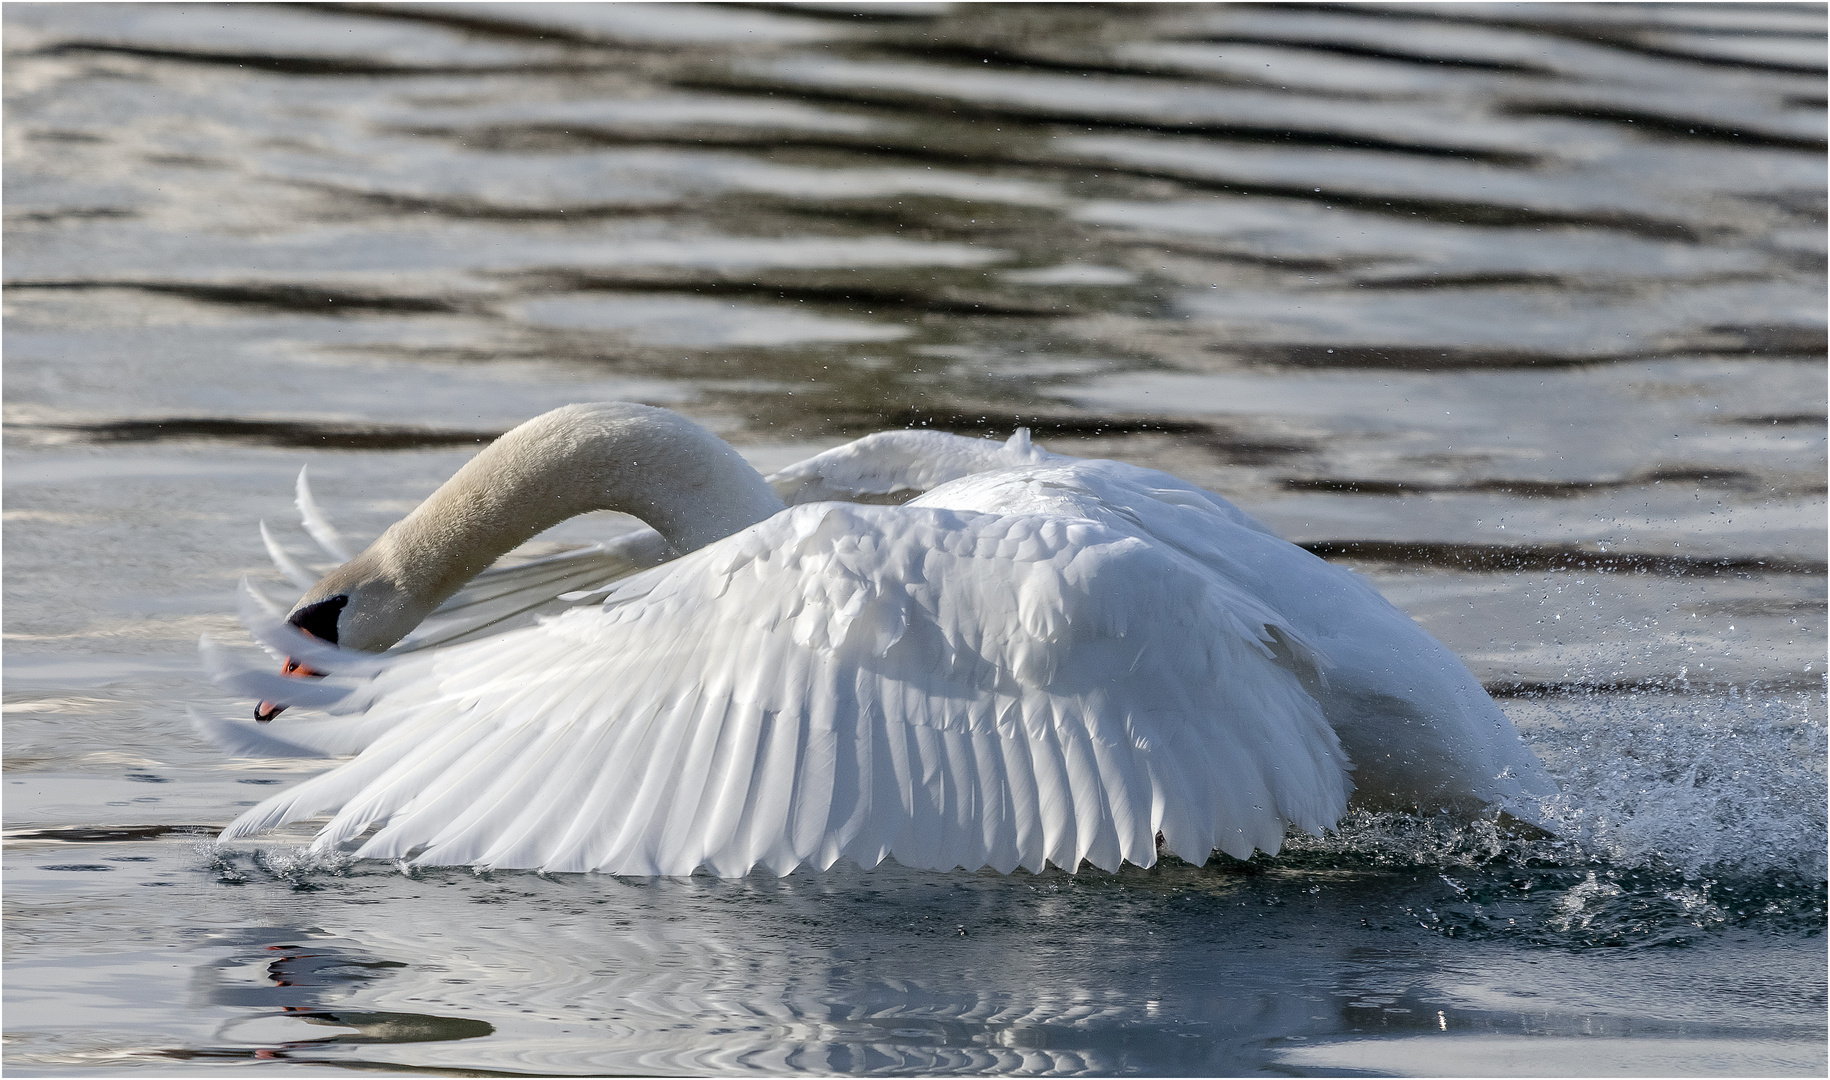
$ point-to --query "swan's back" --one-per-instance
(1417, 726)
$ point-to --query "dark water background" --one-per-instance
(1517, 309)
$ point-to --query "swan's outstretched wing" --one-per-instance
(947, 687)
(895, 466)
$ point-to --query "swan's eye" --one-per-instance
(320, 619)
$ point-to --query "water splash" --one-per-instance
(300, 868)
(1390, 840)
(1721, 787)
(1717, 786)
(1577, 908)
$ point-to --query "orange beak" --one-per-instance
(267, 710)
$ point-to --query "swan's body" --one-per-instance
(1041, 659)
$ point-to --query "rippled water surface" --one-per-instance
(1516, 309)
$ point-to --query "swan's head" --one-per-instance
(357, 606)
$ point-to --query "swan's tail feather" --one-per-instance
(285, 563)
(317, 524)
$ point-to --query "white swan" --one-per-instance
(1040, 660)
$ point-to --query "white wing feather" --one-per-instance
(248, 739)
(285, 563)
(316, 524)
(505, 597)
(900, 464)
(949, 688)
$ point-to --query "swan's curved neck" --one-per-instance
(654, 464)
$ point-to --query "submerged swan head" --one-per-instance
(679, 478)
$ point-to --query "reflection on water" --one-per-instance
(295, 977)
(1517, 309)
(1223, 970)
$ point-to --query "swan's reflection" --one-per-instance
(1178, 969)
(294, 977)
(847, 972)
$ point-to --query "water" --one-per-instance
(1516, 309)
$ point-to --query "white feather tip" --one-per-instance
(317, 524)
